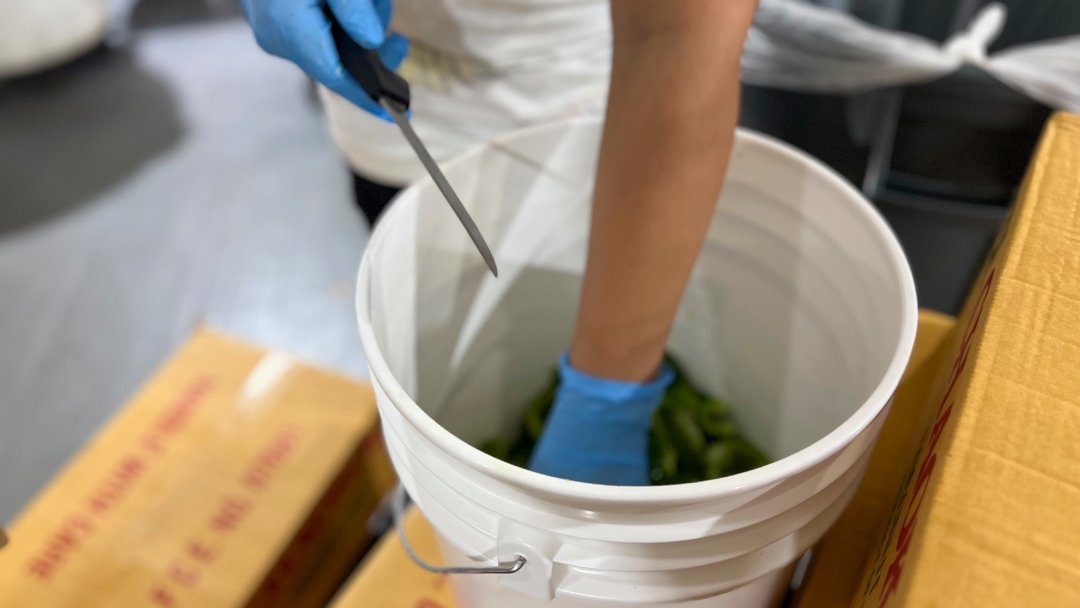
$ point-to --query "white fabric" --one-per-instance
(38, 34)
(479, 68)
(804, 47)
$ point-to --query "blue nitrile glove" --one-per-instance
(298, 31)
(598, 429)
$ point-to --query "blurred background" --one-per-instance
(158, 171)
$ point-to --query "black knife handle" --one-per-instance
(364, 65)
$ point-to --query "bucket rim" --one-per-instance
(767, 475)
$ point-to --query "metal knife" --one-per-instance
(392, 93)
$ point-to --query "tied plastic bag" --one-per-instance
(808, 48)
(37, 35)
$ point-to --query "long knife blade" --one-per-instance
(398, 114)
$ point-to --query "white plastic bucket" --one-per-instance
(801, 312)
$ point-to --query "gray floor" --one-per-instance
(188, 180)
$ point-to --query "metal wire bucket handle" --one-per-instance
(400, 497)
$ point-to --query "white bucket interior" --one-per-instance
(797, 307)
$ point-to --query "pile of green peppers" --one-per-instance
(693, 437)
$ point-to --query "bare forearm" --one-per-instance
(667, 138)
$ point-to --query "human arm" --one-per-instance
(672, 109)
(670, 123)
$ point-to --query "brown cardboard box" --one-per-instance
(984, 510)
(390, 579)
(235, 477)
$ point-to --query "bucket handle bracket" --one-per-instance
(400, 497)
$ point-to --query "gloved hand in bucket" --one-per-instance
(297, 30)
(598, 429)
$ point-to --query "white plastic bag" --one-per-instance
(798, 46)
(36, 35)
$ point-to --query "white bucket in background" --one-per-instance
(801, 313)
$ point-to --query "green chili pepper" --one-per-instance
(715, 420)
(663, 458)
(680, 477)
(537, 412)
(719, 458)
(520, 452)
(496, 447)
(747, 457)
(681, 395)
(686, 437)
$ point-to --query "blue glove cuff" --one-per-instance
(598, 429)
(620, 400)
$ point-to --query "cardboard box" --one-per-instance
(236, 477)
(985, 509)
(388, 577)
